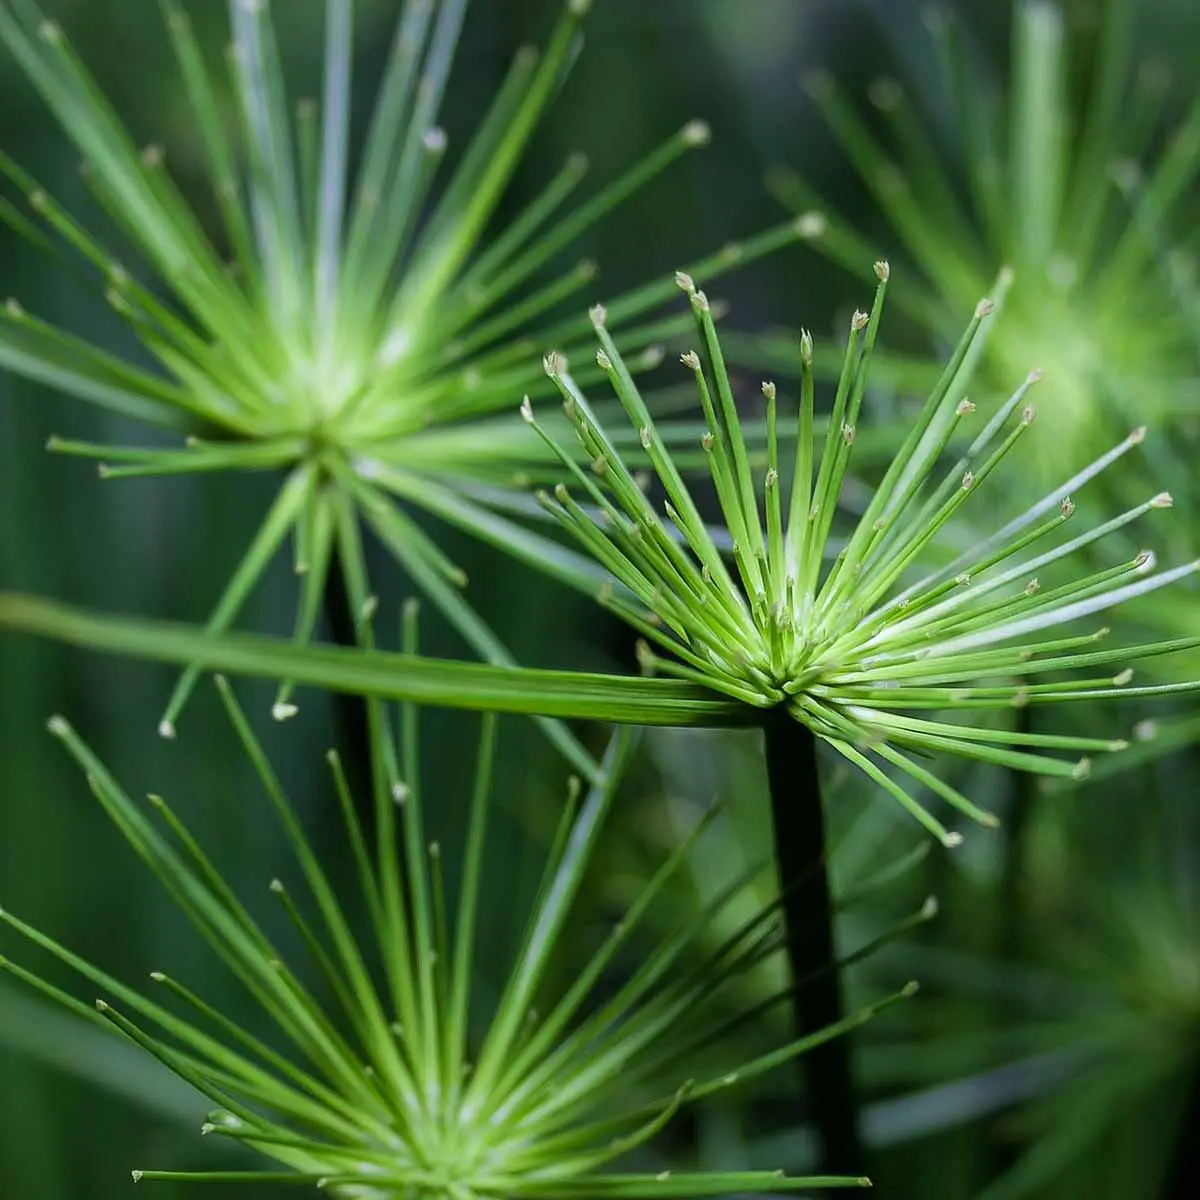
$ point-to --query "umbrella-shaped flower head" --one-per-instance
(891, 637)
(375, 1078)
(1078, 191)
(361, 326)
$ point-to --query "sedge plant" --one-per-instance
(889, 639)
(1036, 173)
(359, 331)
(379, 1078)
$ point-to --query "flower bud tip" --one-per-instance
(883, 271)
(685, 282)
(166, 730)
(283, 712)
(598, 314)
(811, 225)
(696, 133)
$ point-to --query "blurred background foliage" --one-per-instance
(1054, 1048)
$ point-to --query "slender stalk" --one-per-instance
(800, 854)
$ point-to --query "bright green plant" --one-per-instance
(907, 644)
(364, 349)
(903, 624)
(385, 1090)
(1027, 175)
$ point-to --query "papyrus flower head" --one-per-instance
(362, 327)
(375, 1079)
(888, 638)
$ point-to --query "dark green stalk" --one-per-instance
(801, 859)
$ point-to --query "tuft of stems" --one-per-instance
(889, 639)
(361, 331)
(397, 1086)
(1020, 173)
(865, 637)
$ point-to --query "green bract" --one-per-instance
(357, 331)
(1033, 179)
(385, 1093)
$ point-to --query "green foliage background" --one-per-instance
(76, 1114)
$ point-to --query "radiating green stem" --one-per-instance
(800, 854)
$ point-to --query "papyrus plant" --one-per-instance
(1038, 171)
(361, 332)
(386, 1087)
(889, 641)
(884, 637)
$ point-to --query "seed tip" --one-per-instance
(555, 364)
(883, 270)
(685, 282)
(811, 225)
(598, 314)
(1162, 500)
(984, 308)
(527, 410)
(952, 840)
